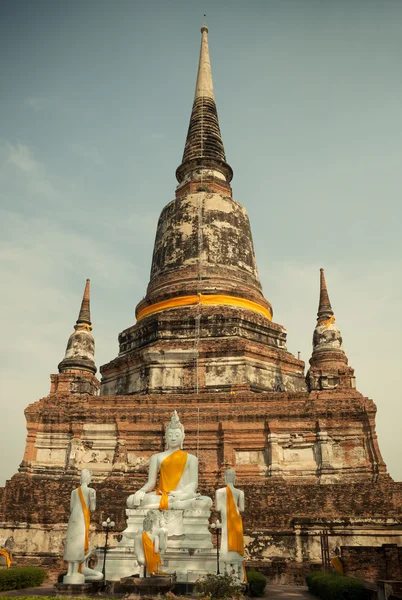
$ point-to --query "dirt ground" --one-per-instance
(272, 592)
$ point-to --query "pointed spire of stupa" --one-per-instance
(325, 311)
(328, 362)
(84, 318)
(80, 351)
(204, 86)
(204, 157)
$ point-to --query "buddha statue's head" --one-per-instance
(230, 476)
(147, 523)
(86, 476)
(174, 433)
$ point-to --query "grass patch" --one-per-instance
(21, 577)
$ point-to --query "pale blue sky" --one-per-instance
(95, 102)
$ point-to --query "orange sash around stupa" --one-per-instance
(235, 525)
(152, 558)
(171, 471)
(87, 520)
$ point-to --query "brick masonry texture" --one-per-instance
(294, 488)
(383, 562)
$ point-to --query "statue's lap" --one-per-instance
(152, 501)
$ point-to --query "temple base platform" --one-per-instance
(184, 537)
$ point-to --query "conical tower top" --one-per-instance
(325, 311)
(204, 86)
(204, 158)
(84, 317)
(80, 351)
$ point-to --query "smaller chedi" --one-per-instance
(80, 349)
(76, 547)
(229, 502)
(329, 367)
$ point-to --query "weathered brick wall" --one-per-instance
(275, 504)
(220, 428)
(283, 572)
(2, 495)
(384, 562)
(39, 510)
(270, 505)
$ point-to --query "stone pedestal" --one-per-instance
(74, 589)
(155, 585)
(189, 547)
(232, 564)
(185, 528)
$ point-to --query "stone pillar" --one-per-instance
(30, 448)
(325, 446)
(298, 544)
(274, 454)
(228, 436)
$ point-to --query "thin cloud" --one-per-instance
(89, 153)
(21, 157)
(19, 165)
(38, 103)
(144, 223)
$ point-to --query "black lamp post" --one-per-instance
(217, 526)
(107, 525)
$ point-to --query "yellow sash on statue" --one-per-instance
(171, 471)
(87, 520)
(337, 565)
(4, 552)
(235, 525)
(152, 559)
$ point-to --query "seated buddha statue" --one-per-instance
(178, 477)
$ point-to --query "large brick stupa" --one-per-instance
(205, 343)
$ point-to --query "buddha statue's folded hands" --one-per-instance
(136, 499)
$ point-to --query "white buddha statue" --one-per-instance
(229, 501)
(178, 477)
(76, 547)
(147, 548)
